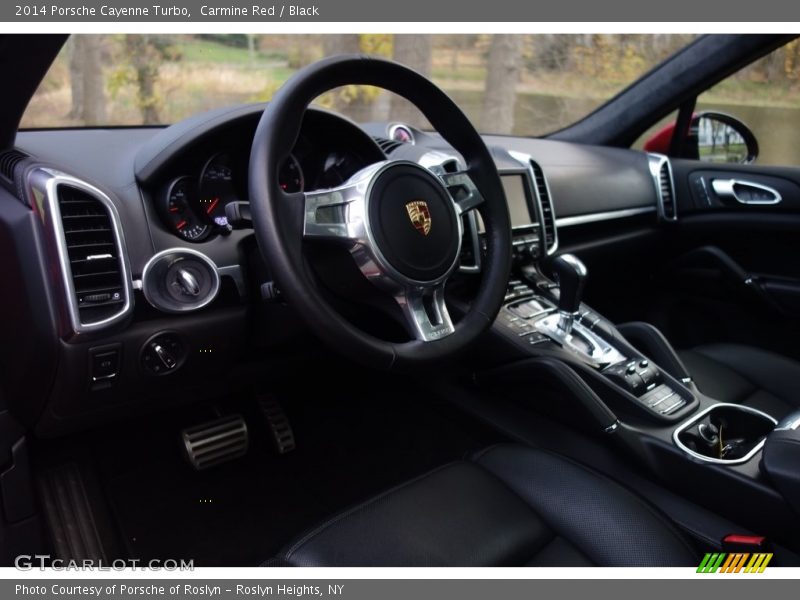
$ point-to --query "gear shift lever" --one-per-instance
(570, 274)
(563, 328)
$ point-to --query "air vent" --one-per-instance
(666, 191)
(661, 171)
(92, 252)
(9, 161)
(546, 206)
(388, 146)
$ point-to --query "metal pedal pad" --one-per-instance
(216, 441)
(277, 424)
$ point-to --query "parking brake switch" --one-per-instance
(104, 365)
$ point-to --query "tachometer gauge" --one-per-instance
(181, 218)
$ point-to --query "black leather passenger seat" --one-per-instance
(745, 375)
(508, 506)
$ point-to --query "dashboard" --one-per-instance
(106, 309)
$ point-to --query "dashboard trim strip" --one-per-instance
(609, 215)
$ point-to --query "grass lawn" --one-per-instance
(208, 51)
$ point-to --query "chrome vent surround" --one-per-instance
(87, 235)
(9, 161)
(544, 200)
(661, 171)
(546, 207)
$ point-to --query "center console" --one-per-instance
(548, 317)
(625, 381)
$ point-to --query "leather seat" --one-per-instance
(508, 506)
(745, 375)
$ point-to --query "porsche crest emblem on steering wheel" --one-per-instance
(420, 216)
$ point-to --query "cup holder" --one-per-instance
(726, 434)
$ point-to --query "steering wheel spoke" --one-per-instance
(462, 190)
(339, 213)
(426, 312)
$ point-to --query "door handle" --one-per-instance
(745, 192)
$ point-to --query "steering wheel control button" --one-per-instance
(413, 222)
(180, 280)
(163, 353)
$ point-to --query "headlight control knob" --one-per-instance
(163, 353)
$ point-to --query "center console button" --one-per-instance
(536, 338)
(523, 328)
(635, 383)
(648, 376)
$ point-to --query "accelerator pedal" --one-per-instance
(277, 424)
(216, 442)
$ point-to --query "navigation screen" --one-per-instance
(517, 197)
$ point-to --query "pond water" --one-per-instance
(776, 129)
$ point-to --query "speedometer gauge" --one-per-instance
(179, 213)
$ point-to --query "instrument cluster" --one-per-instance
(192, 201)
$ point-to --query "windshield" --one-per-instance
(520, 84)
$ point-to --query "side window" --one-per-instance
(764, 96)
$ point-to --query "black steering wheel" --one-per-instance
(401, 222)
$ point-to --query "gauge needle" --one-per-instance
(212, 206)
(180, 224)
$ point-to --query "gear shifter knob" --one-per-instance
(570, 274)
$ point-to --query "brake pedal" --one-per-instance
(277, 424)
(216, 442)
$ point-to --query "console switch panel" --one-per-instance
(637, 376)
(644, 381)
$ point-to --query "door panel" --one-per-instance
(735, 268)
